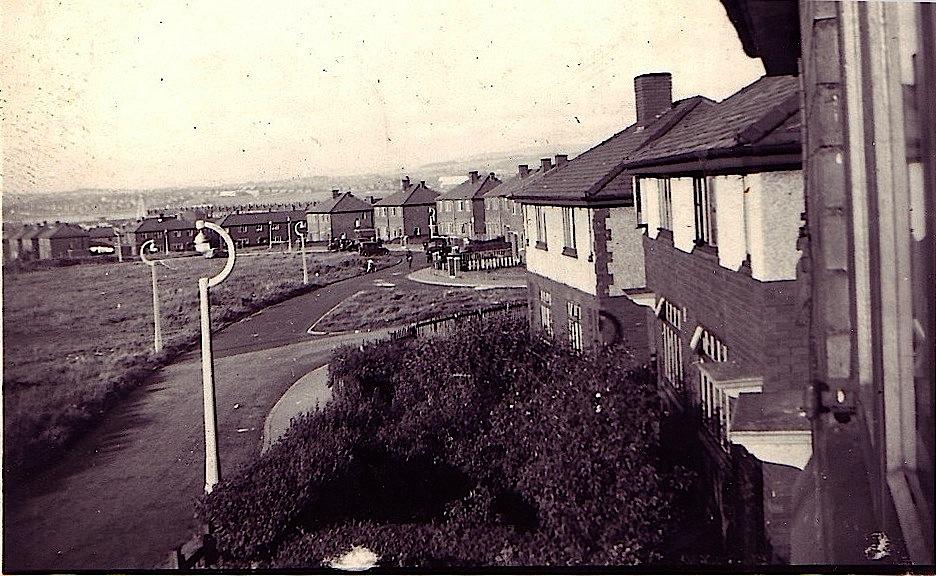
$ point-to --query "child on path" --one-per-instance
(370, 265)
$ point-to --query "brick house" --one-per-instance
(584, 255)
(721, 197)
(342, 215)
(411, 211)
(168, 233)
(460, 211)
(504, 214)
(869, 169)
(263, 228)
(29, 242)
(11, 241)
(62, 240)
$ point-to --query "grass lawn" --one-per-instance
(382, 307)
(76, 338)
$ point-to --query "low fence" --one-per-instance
(449, 323)
(488, 259)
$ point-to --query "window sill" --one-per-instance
(541, 245)
(570, 252)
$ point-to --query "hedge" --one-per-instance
(488, 447)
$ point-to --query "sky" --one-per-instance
(123, 94)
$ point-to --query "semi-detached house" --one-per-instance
(409, 212)
(721, 200)
(344, 215)
(584, 259)
(504, 213)
(460, 211)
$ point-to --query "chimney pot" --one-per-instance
(546, 164)
(473, 175)
(561, 159)
(524, 170)
(422, 183)
(335, 193)
(405, 182)
(653, 94)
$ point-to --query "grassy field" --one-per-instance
(382, 307)
(76, 338)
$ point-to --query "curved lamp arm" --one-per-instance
(229, 265)
(143, 249)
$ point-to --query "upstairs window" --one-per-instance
(704, 212)
(540, 227)
(568, 231)
(665, 192)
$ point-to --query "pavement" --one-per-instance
(124, 494)
(481, 280)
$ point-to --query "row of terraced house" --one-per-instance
(775, 266)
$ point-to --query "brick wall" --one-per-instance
(604, 320)
(762, 323)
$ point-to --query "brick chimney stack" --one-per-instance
(546, 164)
(561, 159)
(336, 192)
(653, 94)
(405, 182)
(524, 170)
(473, 175)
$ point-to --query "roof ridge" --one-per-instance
(653, 134)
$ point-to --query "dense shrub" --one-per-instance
(485, 447)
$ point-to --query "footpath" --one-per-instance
(124, 495)
(479, 280)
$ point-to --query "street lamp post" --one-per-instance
(157, 329)
(305, 267)
(119, 247)
(212, 466)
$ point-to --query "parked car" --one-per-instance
(372, 248)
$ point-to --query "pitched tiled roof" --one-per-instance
(765, 113)
(63, 230)
(515, 184)
(102, 232)
(469, 190)
(346, 202)
(162, 223)
(31, 231)
(594, 174)
(253, 218)
(412, 195)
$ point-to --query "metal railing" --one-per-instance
(452, 322)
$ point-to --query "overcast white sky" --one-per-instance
(135, 94)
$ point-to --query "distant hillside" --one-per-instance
(93, 204)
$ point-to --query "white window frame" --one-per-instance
(546, 312)
(568, 227)
(665, 202)
(574, 312)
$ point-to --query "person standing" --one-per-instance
(370, 265)
(409, 259)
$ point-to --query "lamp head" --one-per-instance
(201, 242)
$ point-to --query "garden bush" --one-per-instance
(485, 447)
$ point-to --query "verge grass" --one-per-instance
(76, 339)
(382, 307)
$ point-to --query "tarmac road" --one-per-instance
(123, 496)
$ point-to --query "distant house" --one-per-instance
(460, 211)
(11, 241)
(168, 233)
(63, 241)
(264, 228)
(503, 214)
(409, 212)
(29, 241)
(585, 269)
(342, 215)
